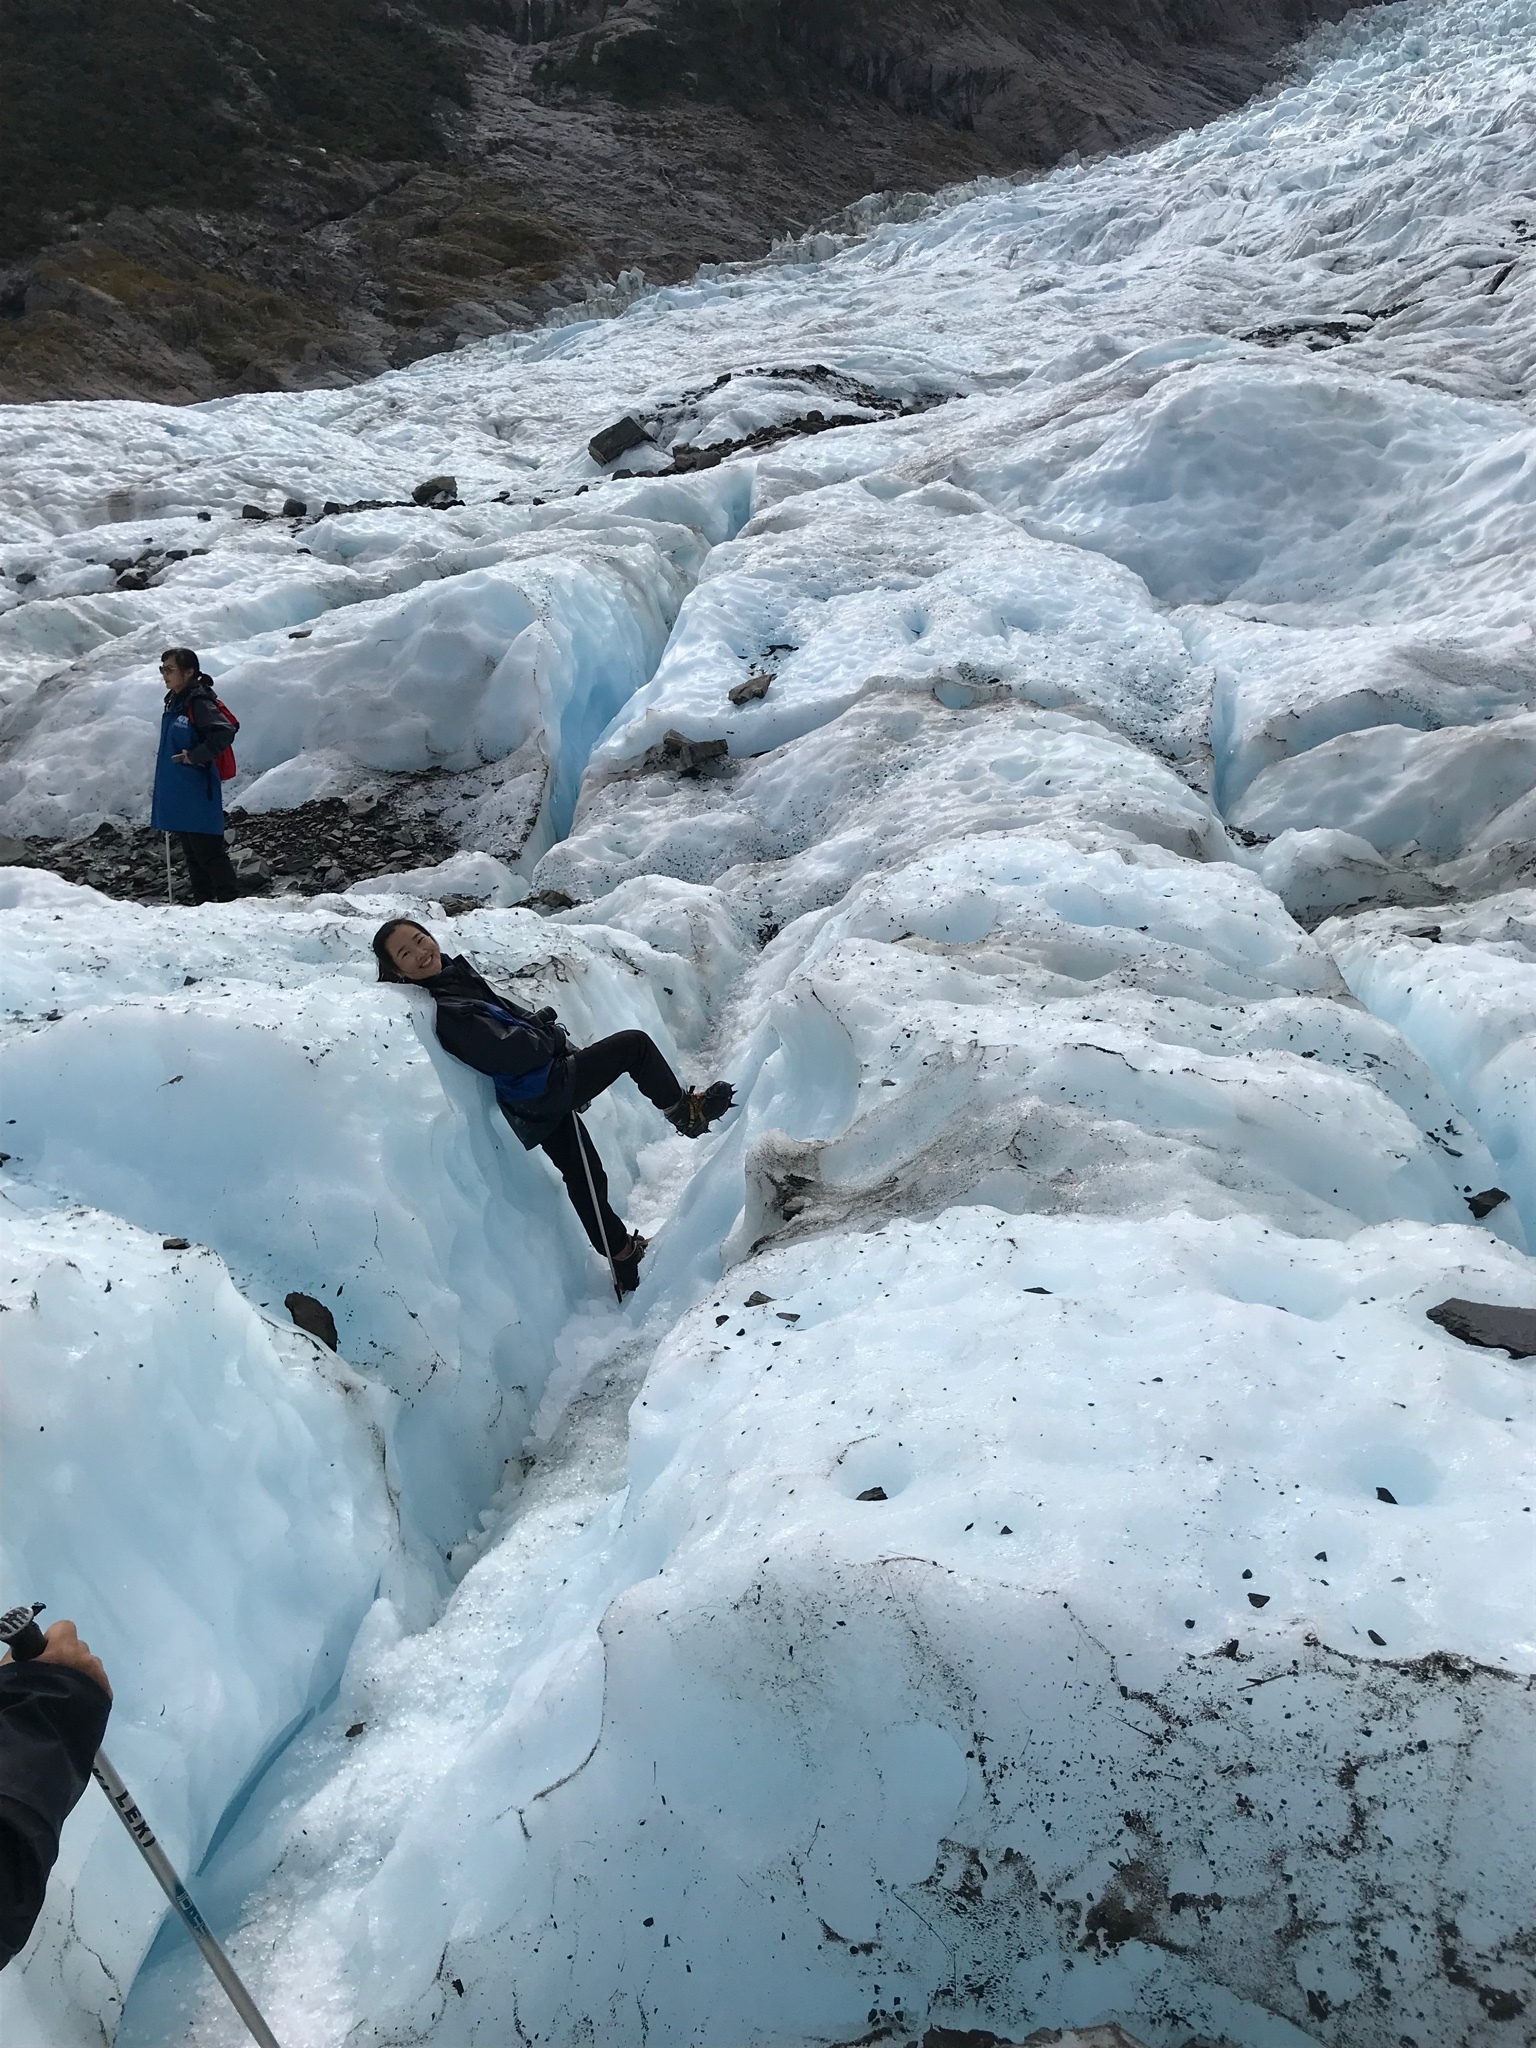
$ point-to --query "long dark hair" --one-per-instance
(388, 971)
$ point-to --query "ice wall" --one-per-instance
(1469, 1010)
(204, 1479)
(198, 1479)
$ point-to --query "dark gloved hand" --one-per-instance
(546, 1016)
(64, 1646)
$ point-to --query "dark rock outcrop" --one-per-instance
(1486, 1324)
(312, 1316)
(612, 442)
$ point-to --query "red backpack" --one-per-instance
(225, 762)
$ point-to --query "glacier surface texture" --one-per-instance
(1024, 1557)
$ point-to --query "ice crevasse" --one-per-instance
(1024, 1557)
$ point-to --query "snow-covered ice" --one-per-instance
(1024, 1557)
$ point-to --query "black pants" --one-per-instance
(597, 1068)
(209, 867)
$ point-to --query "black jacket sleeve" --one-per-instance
(52, 1720)
(214, 731)
(484, 1042)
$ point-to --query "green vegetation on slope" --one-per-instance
(145, 102)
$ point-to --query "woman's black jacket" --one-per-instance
(528, 1056)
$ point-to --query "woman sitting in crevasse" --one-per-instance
(543, 1082)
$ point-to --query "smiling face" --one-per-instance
(414, 952)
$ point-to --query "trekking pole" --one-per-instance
(602, 1229)
(22, 1636)
(168, 896)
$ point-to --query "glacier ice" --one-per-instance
(127, 1368)
(1024, 1557)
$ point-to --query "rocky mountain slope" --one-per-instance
(299, 193)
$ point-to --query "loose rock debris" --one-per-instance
(313, 1316)
(1486, 1324)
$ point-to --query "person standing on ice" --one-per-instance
(189, 795)
(543, 1082)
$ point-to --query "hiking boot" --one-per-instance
(697, 1108)
(626, 1261)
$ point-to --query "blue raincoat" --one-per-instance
(186, 799)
